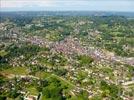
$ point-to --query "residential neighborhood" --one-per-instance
(66, 58)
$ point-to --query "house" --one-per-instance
(30, 97)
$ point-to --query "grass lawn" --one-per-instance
(64, 81)
(3, 53)
(46, 75)
(42, 75)
(16, 71)
(44, 98)
(32, 90)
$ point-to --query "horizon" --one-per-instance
(70, 5)
(71, 11)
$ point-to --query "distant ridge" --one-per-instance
(65, 13)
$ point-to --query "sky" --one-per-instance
(67, 5)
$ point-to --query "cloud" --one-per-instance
(99, 5)
(24, 3)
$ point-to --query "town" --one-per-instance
(66, 58)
